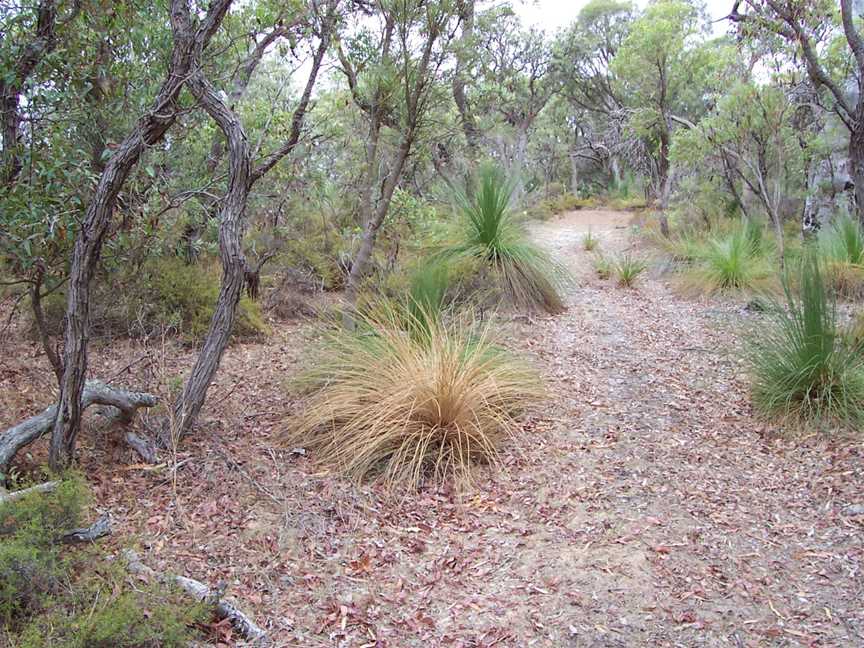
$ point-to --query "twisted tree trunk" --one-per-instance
(188, 42)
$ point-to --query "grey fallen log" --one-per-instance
(100, 528)
(8, 498)
(224, 610)
(95, 392)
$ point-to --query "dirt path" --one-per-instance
(645, 506)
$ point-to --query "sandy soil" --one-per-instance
(644, 506)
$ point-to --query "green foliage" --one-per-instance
(590, 242)
(736, 261)
(842, 249)
(489, 233)
(627, 270)
(563, 203)
(603, 266)
(51, 595)
(184, 296)
(31, 564)
(802, 368)
(165, 293)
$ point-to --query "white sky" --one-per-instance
(552, 15)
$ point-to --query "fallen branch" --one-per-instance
(100, 528)
(225, 610)
(8, 498)
(95, 392)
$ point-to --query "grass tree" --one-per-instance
(803, 368)
(489, 233)
(409, 404)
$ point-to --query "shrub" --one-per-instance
(590, 242)
(734, 262)
(603, 266)
(842, 248)
(801, 367)
(51, 595)
(488, 232)
(627, 269)
(403, 407)
(165, 293)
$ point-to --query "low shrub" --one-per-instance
(405, 407)
(165, 292)
(842, 249)
(54, 595)
(603, 266)
(590, 242)
(627, 270)
(802, 367)
(489, 233)
(738, 261)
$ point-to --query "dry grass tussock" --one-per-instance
(406, 404)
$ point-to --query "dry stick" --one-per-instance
(242, 623)
(8, 498)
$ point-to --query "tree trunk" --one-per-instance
(520, 155)
(188, 43)
(856, 161)
(463, 54)
(373, 224)
(574, 174)
(241, 178)
(231, 229)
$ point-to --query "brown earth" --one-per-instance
(644, 506)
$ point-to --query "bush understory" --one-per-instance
(406, 398)
(841, 245)
(70, 597)
(164, 294)
(804, 368)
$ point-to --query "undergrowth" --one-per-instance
(70, 597)
(488, 232)
(803, 368)
(406, 404)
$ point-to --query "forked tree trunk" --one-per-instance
(235, 269)
(88, 243)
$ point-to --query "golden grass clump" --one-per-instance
(404, 404)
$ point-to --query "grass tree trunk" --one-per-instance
(88, 243)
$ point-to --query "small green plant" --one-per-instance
(54, 595)
(627, 270)
(489, 233)
(603, 266)
(737, 261)
(842, 249)
(406, 408)
(590, 242)
(802, 367)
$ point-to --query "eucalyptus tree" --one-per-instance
(515, 82)
(393, 63)
(831, 49)
(750, 134)
(583, 58)
(661, 69)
